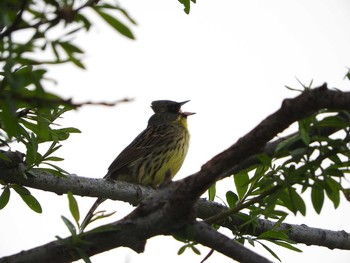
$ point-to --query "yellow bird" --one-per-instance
(156, 153)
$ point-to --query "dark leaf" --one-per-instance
(52, 171)
(5, 197)
(212, 192)
(73, 207)
(116, 24)
(284, 145)
(54, 159)
(297, 201)
(317, 198)
(32, 202)
(303, 130)
(287, 245)
(231, 199)
(26, 196)
(195, 250)
(70, 48)
(241, 181)
(187, 5)
(9, 118)
(182, 250)
(271, 252)
(272, 234)
(332, 121)
(69, 225)
(59, 169)
(20, 189)
(333, 191)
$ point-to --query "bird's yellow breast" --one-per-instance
(166, 162)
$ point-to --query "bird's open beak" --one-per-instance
(184, 102)
(186, 113)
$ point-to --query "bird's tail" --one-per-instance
(90, 214)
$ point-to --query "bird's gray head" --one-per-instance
(160, 106)
(167, 110)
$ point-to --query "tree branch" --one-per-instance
(132, 194)
(209, 237)
(307, 103)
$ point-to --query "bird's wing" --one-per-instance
(148, 140)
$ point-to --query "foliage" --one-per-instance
(33, 36)
(313, 161)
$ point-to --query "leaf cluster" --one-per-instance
(314, 161)
(35, 35)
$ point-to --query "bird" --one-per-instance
(156, 154)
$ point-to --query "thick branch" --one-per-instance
(298, 233)
(309, 102)
(133, 193)
(131, 234)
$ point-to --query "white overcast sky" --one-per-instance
(232, 59)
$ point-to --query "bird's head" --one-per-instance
(167, 110)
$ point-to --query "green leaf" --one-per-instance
(304, 135)
(51, 150)
(251, 241)
(77, 62)
(9, 118)
(332, 121)
(73, 207)
(20, 189)
(59, 169)
(63, 134)
(32, 150)
(271, 252)
(241, 181)
(54, 159)
(52, 171)
(70, 48)
(116, 7)
(26, 196)
(264, 159)
(272, 234)
(187, 5)
(212, 192)
(69, 225)
(70, 130)
(32, 203)
(287, 245)
(333, 191)
(231, 199)
(284, 145)
(5, 197)
(195, 250)
(182, 250)
(297, 201)
(293, 201)
(317, 198)
(116, 24)
(83, 19)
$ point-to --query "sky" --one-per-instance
(232, 59)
